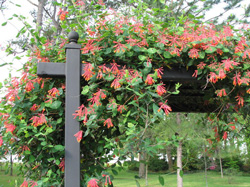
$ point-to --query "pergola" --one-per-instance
(190, 99)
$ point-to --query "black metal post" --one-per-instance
(72, 147)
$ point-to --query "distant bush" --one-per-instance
(232, 162)
(246, 168)
(132, 165)
(156, 164)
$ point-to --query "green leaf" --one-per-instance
(155, 108)
(99, 148)
(114, 172)
(45, 179)
(59, 147)
(4, 64)
(167, 54)
(181, 29)
(5, 23)
(32, 158)
(56, 104)
(225, 50)
(57, 162)
(152, 50)
(181, 173)
(85, 90)
(246, 66)
(59, 120)
(210, 50)
(100, 59)
(34, 97)
(161, 180)
(108, 50)
(137, 183)
(201, 54)
(142, 58)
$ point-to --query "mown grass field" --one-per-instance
(127, 179)
(9, 181)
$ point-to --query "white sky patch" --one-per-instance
(9, 32)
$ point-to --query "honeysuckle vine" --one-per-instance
(123, 92)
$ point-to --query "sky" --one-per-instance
(9, 32)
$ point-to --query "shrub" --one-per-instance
(156, 164)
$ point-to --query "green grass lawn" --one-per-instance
(9, 181)
(126, 179)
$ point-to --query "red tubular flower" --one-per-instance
(149, 80)
(62, 14)
(92, 183)
(213, 77)
(1, 141)
(221, 92)
(248, 91)
(120, 108)
(115, 68)
(228, 64)
(233, 127)
(201, 65)
(82, 112)
(9, 127)
(29, 86)
(88, 73)
(240, 100)
(62, 165)
(24, 184)
(237, 79)
(119, 47)
(25, 148)
(161, 89)
(224, 136)
(15, 82)
(159, 72)
(38, 120)
(108, 122)
(116, 84)
(195, 74)
(34, 107)
(107, 178)
(193, 53)
(53, 92)
(33, 183)
(79, 3)
(222, 74)
(79, 136)
(167, 109)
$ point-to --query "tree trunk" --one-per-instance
(11, 164)
(221, 169)
(39, 20)
(179, 165)
(146, 175)
(169, 156)
(142, 168)
(179, 157)
(205, 159)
